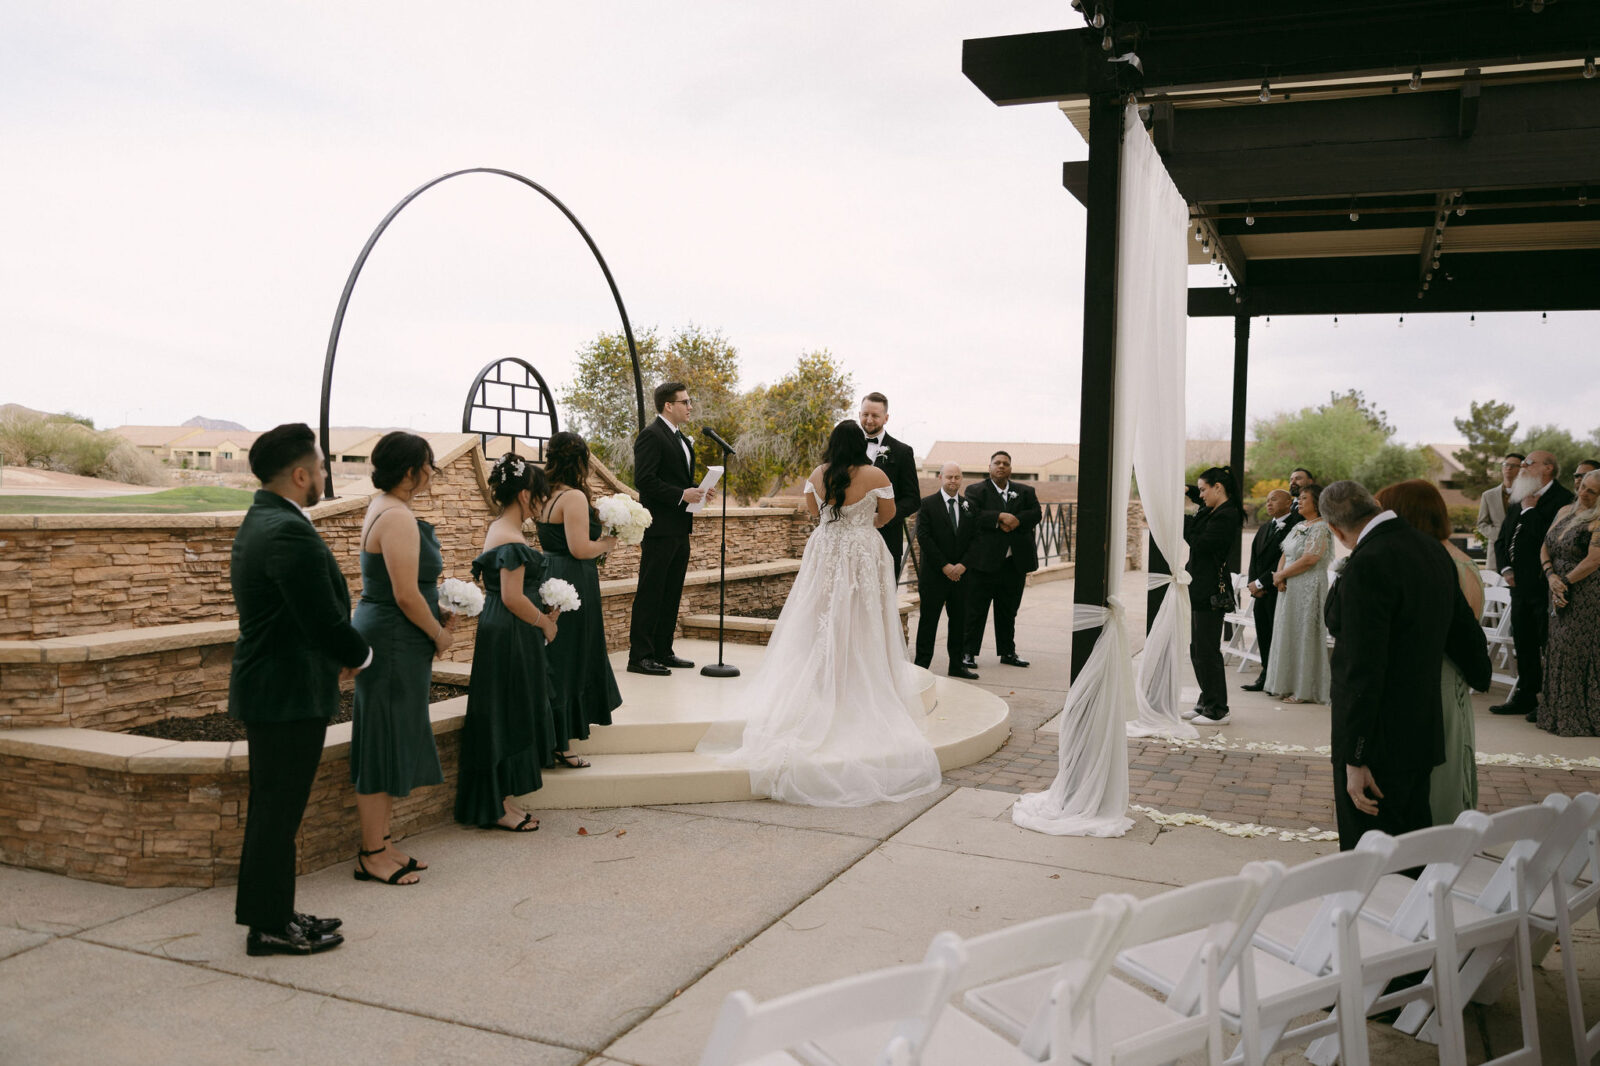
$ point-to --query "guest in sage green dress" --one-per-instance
(1297, 668)
(391, 740)
(508, 729)
(1453, 785)
(585, 689)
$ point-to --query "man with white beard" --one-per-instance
(1535, 499)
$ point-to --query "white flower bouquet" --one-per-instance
(558, 593)
(623, 517)
(460, 597)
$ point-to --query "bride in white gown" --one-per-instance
(835, 718)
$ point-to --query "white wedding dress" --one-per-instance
(835, 716)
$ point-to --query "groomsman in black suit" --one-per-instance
(947, 544)
(894, 458)
(1536, 496)
(663, 472)
(1395, 611)
(1265, 551)
(1299, 478)
(1008, 511)
(295, 646)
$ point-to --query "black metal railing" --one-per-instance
(1053, 539)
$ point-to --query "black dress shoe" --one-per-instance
(1258, 685)
(290, 940)
(674, 661)
(970, 662)
(315, 926)
(649, 666)
(1012, 660)
(1533, 716)
(964, 672)
(1510, 708)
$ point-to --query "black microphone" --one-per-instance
(707, 431)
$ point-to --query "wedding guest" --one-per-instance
(663, 472)
(947, 539)
(1536, 497)
(1493, 506)
(509, 726)
(894, 458)
(1212, 533)
(1453, 785)
(391, 737)
(1299, 478)
(584, 690)
(1586, 466)
(1570, 703)
(1266, 549)
(1298, 670)
(295, 646)
(1007, 514)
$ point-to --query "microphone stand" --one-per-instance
(720, 668)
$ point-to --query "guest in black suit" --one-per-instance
(295, 646)
(1535, 498)
(1395, 611)
(894, 458)
(1008, 512)
(1265, 550)
(1211, 533)
(663, 472)
(947, 546)
(1299, 478)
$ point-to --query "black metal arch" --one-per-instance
(361, 261)
(532, 381)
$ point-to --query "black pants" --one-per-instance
(1530, 626)
(1266, 608)
(938, 593)
(1404, 805)
(1205, 655)
(1003, 588)
(662, 563)
(283, 763)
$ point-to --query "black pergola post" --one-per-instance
(1097, 560)
(1241, 378)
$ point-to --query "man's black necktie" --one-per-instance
(948, 502)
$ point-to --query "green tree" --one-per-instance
(600, 402)
(1356, 398)
(1332, 441)
(1488, 439)
(789, 422)
(1390, 463)
(1569, 452)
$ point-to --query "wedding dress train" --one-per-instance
(835, 718)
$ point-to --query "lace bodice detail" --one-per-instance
(860, 513)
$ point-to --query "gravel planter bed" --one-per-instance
(221, 727)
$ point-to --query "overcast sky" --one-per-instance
(186, 186)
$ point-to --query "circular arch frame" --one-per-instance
(361, 261)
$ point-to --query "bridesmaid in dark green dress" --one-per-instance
(569, 532)
(508, 726)
(391, 741)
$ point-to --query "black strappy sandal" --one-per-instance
(520, 827)
(411, 861)
(573, 762)
(361, 873)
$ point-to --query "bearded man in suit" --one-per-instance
(1536, 497)
(295, 646)
(1266, 549)
(1008, 512)
(1395, 612)
(894, 458)
(947, 542)
(663, 472)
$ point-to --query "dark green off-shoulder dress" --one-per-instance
(508, 730)
(585, 689)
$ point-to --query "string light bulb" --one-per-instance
(1266, 92)
(1588, 67)
(1416, 80)
(1198, 235)
(1544, 318)
(1472, 320)
(1355, 215)
(1335, 321)
(1106, 43)
(1403, 318)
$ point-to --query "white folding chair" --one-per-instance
(1491, 579)
(784, 1031)
(1408, 925)
(1243, 643)
(1497, 632)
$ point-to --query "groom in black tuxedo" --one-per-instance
(894, 458)
(947, 545)
(1265, 551)
(663, 472)
(1395, 612)
(1008, 512)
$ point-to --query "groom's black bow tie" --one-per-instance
(874, 440)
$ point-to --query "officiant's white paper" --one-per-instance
(709, 482)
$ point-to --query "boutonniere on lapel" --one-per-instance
(883, 457)
(966, 505)
(1340, 563)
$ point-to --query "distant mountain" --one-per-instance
(9, 409)
(198, 422)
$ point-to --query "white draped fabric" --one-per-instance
(1089, 796)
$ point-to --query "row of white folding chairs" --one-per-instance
(1247, 953)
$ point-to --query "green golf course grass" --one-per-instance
(170, 501)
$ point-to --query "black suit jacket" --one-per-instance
(897, 461)
(1266, 548)
(992, 541)
(294, 617)
(937, 544)
(1395, 612)
(1211, 535)
(1521, 537)
(661, 473)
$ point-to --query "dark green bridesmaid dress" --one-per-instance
(585, 689)
(391, 738)
(508, 730)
